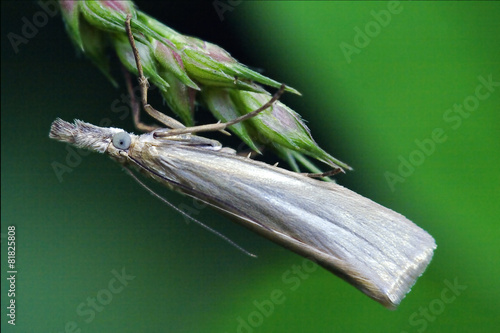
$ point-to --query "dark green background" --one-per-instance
(369, 112)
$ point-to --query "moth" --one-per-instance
(377, 250)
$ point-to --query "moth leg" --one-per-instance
(144, 85)
(221, 126)
(136, 109)
(323, 174)
(176, 126)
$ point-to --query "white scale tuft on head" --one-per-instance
(82, 134)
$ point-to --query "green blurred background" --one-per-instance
(367, 101)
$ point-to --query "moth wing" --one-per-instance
(372, 247)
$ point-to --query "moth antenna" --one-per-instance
(215, 232)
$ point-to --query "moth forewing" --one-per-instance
(372, 247)
(379, 251)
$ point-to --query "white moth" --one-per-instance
(372, 247)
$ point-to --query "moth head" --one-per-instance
(83, 135)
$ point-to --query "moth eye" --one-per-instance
(122, 140)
